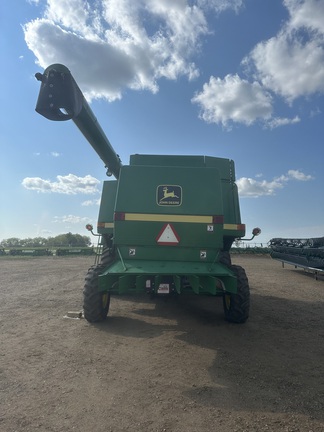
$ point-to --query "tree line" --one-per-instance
(62, 240)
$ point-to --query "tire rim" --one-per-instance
(227, 301)
(105, 300)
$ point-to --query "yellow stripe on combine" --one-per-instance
(172, 218)
(167, 218)
(105, 225)
(234, 227)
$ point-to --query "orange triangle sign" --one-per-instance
(168, 236)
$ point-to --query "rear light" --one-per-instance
(218, 219)
(119, 216)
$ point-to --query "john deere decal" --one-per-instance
(169, 195)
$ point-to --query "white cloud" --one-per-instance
(55, 154)
(308, 14)
(249, 187)
(71, 219)
(289, 67)
(233, 100)
(298, 175)
(69, 184)
(291, 63)
(111, 45)
(277, 122)
(89, 203)
(220, 5)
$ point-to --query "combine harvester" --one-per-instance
(166, 222)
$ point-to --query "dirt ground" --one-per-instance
(156, 365)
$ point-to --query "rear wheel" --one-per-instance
(237, 306)
(107, 257)
(225, 258)
(95, 303)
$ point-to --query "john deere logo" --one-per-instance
(169, 195)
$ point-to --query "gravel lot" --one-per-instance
(157, 365)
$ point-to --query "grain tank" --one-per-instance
(167, 222)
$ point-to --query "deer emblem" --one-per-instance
(167, 194)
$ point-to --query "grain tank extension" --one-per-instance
(167, 222)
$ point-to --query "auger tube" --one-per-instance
(60, 98)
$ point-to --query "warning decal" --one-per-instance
(168, 236)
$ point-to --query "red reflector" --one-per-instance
(218, 219)
(241, 227)
(119, 216)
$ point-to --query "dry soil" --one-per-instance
(157, 365)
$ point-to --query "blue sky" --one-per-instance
(240, 79)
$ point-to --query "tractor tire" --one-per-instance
(225, 258)
(95, 303)
(107, 257)
(237, 306)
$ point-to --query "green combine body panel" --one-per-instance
(167, 222)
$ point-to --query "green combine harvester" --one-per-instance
(167, 223)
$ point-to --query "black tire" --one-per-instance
(107, 257)
(237, 306)
(95, 303)
(225, 258)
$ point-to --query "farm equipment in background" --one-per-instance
(68, 251)
(29, 252)
(308, 253)
(166, 222)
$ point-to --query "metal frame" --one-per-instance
(316, 271)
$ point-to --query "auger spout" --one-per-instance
(60, 98)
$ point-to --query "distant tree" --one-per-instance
(34, 242)
(72, 240)
(81, 240)
(87, 240)
(10, 242)
(62, 240)
(40, 242)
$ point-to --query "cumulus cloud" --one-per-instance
(233, 100)
(249, 187)
(280, 121)
(298, 175)
(111, 45)
(220, 5)
(308, 14)
(114, 45)
(89, 203)
(289, 67)
(291, 63)
(69, 185)
(71, 219)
